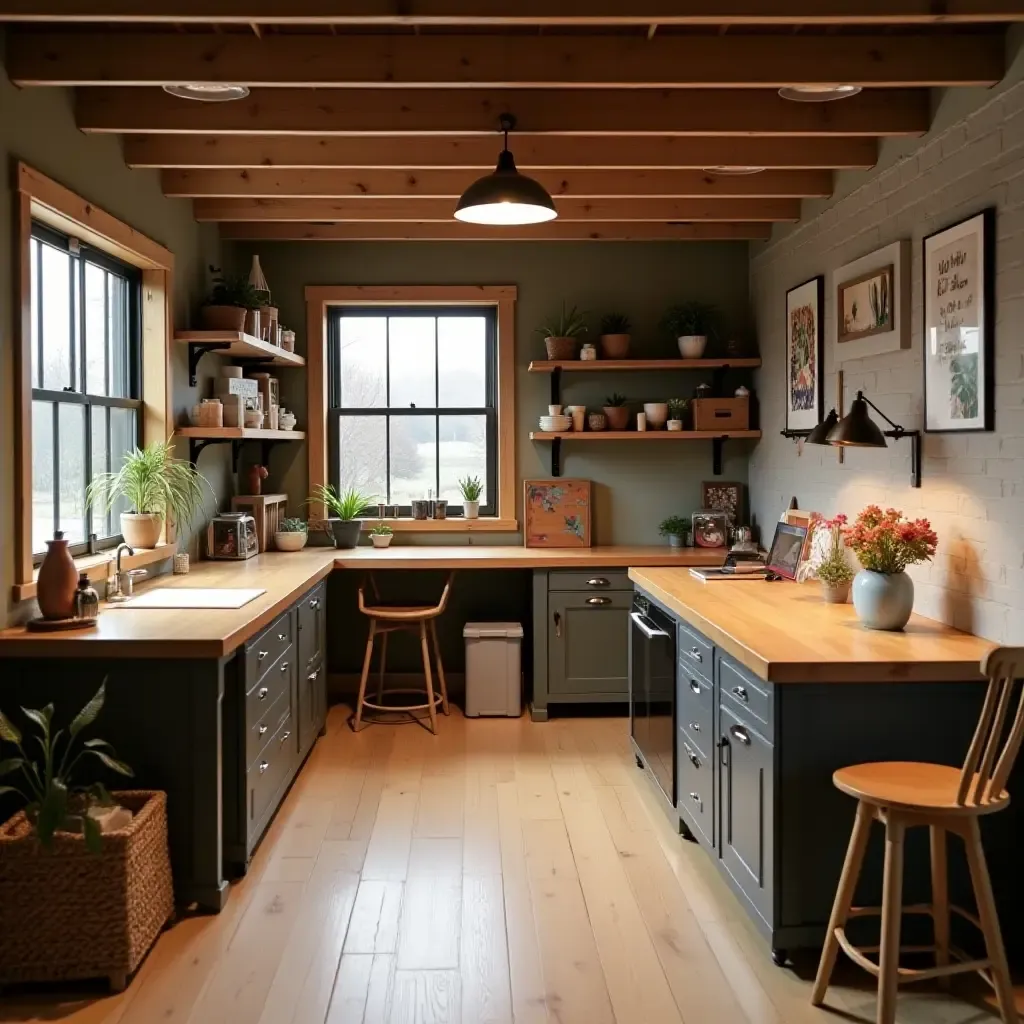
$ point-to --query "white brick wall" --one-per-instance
(973, 486)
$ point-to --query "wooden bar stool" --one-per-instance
(903, 795)
(385, 619)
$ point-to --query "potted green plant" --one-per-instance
(615, 335)
(677, 412)
(380, 535)
(471, 489)
(344, 509)
(691, 324)
(231, 298)
(291, 535)
(616, 412)
(562, 333)
(675, 528)
(155, 484)
(85, 876)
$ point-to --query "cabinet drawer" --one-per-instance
(269, 772)
(264, 650)
(742, 693)
(596, 580)
(696, 788)
(696, 711)
(695, 652)
(260, 731)
(274, 682)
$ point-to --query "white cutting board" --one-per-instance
(191, 597)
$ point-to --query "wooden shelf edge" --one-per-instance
(643, 435)
(240, 434)
(457, 525)
(614, 365)
(258, 348)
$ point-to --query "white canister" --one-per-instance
(588, 352)
(641, 422)
(554, 410)
(231, 371)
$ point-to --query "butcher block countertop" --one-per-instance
(214, 633)
(784, 633)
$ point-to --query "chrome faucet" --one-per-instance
(120, 587)
(121, 548)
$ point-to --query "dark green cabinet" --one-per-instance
(311, 682)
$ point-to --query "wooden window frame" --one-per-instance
(42, 199)
(319, 298)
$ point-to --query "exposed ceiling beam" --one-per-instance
(465, 111)
(511, 12)
(533, 152)
(321, 183)
(454, 231)
(759, 61)
(371, 209)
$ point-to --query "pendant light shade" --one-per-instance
(857, 429)
(819, 435)
(505, 197)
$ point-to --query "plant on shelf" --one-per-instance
(155, 484)
(834, 569)
(54, 800)
(615, 338)
(344, 509)
(471, 489)
(678, 409)
(291, 534)
(691, 324)
(616, 411)
(675, 528)
(380, 535)
(562, 333)
(230, 299)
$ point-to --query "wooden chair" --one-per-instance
(385, 619)
(902, 795)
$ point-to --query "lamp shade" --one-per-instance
(857, 429)
(505, 197)
(819, 435)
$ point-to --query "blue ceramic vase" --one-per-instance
(883, 600)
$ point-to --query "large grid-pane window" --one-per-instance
(412, 402)
(86, 372)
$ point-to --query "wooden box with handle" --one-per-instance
(715, 414)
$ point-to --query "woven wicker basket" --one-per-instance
(561, 348)
(67, 913)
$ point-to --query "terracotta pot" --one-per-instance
(294, 540)
(141, 530)
(617, 416)
(58, 578)
(222, 318)
(615, 346)
(835, 593)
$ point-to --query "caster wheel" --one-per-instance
(685, 833)
(780, 957)
(639, 761)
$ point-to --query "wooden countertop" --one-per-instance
(784, 633)
(212, 633)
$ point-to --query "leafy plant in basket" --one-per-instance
(344, 509)
(229, 290)
(562, 333)
(49, 787)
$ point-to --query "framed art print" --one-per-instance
(786, 551)
(556, 513)
(723, 497)
(873, 303)
(959, 326)
(805, 352)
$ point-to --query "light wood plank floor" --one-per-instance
(500, 872)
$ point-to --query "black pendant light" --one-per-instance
(857, 429)
(819, 435)
(506, 197)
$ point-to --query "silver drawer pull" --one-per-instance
(741, 692)
(264, 765)
(262, 694)
(286, 735)
(694, 653)
(598, 581)
(261, 655)
(263, 729)
(695, 686)
(312, 675)
(315, 603)
(284, 666)
(282, 637)
(741, 734)
(691, 756)
(695, 797)
(599, 600)
(695, 727)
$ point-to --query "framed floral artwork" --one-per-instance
(556, 513)
(959, 326)
(805, 354)
(720, 496)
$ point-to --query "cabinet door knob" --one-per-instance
(314, 603)
(695, 797)
(286, 735)
(599, 600)
(284, 666)
(695, 686)
(691, 756)
(597, 581)
(262, 730)
(282, 637)
(695, 726)
(741, 734)
(312, 675)
(558, 625)
(261, 655)
(741, 692)
(262, 694)
(694, 653)
(264, 765)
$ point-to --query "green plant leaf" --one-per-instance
(93, 835)
(41, 717)
(11, 764)
(98, 743)
(89, 713)
(52, 812)
(8, 730)
(111, 762)
(9, 789)
(101, 795)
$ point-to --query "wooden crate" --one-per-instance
(714, 414)
(268, 511)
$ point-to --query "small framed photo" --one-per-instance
(786, 551)
(556, 513)
(723, 497)
(710, 529)
(805, 354)
(801, 517)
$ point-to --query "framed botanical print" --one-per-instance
(805, 354)
(959, 326)
(556, 513)
(872, 314)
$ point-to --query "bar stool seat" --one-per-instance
(913, 785)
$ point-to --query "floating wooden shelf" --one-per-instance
(618, 365)
(239, 434)
(643, 435)
(233, 345)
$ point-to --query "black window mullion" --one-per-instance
(39, 313)
(108, 342)
(88, 469)
(387, 403)
(437, 418)
(56, 466)
(109, 523)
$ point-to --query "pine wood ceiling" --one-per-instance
(369, 123)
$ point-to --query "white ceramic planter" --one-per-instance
(691, 346)
(883, 600)
(657, 414)
(294, 540)
(381, 540)
(674, 425)
(141, 530)
(471, 509)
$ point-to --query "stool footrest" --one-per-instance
(402, 707)
(908, 975)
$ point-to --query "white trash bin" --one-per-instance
(494, 681)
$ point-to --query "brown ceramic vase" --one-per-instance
(58, 578)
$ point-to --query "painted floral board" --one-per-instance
(959, 311)
(865, 305)
(556, 514)
(723, 497)
(805, 352)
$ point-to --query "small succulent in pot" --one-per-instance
(291, 535)
(675, 528)
(678, 410)
(471, 489)
(691, 324)
(615, 338)
(344, 509)
(562, 333)
(380, 535)
(616, 411)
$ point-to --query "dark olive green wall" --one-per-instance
(636, 486)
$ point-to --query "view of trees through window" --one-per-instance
(412, 402)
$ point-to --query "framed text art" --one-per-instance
(959, 326)
(873, 303)
(556, 513)
(805, 352)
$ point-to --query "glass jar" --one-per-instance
(87, 599)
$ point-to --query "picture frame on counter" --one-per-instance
(722, 496)
(805, 354)
(786, 551)
(872, 313)
(959, 326)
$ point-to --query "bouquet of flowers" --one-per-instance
(886, 542)
(834, 569)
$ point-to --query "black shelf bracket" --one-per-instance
(795, 435)
(265, 447)
(716, 455)
(196, 351)
(556, 386)
(197, 444)
(556, 457)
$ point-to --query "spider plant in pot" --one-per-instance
(380, 535)
(562, 333)
(677, 411)
(155, 484)
(691, 324)
(291, 535)
(231, 299)
(616, 412)
(471, 489)
(615, 336)
(55, 801)
(344, 509)
(675, 528)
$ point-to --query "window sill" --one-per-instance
(489, 524)
(98, 566)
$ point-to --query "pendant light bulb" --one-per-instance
(505, 197)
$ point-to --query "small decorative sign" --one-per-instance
(556, 513)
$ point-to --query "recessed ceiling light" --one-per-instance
(818, 93)
(208, 92)
(735, 170)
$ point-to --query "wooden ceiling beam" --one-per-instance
(557, 230)
(518, 12)
(494, 61)
(468, 111)
(478, 152)
(321, 183)
(569, 209)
